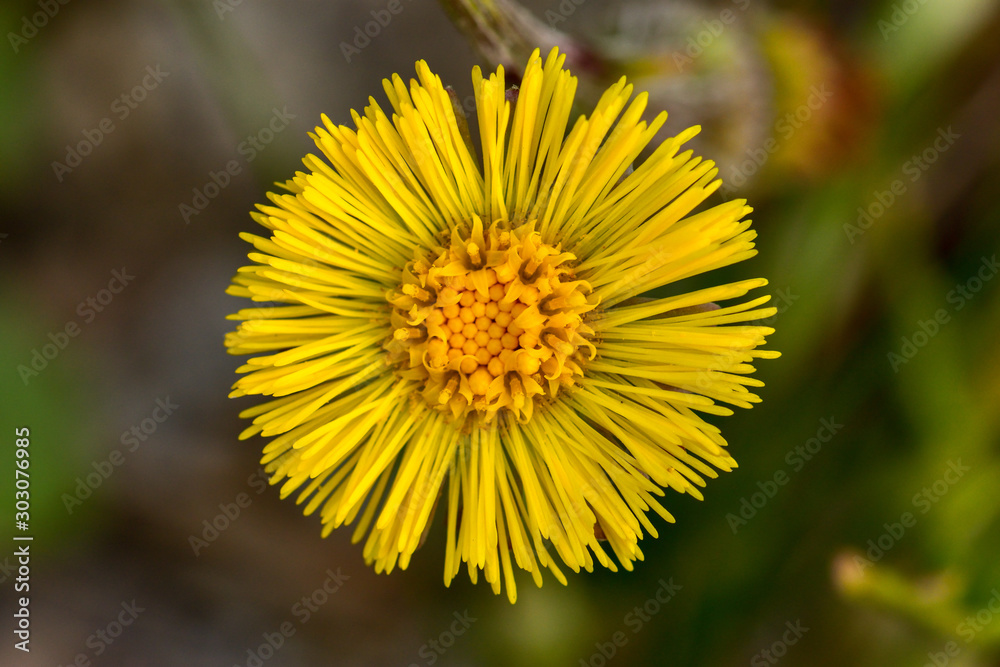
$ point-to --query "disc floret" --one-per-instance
(492, 319)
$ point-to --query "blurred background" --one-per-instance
(863, 524)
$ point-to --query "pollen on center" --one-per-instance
(489, 321)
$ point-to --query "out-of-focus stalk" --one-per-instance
(504, 32)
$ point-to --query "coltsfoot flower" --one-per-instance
(439, 326)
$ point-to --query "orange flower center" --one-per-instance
(491, 321)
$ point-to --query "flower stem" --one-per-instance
(505, 32)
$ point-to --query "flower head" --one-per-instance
(445, 326)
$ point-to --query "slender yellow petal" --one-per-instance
(430, 327)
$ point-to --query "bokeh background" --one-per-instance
(863, 524)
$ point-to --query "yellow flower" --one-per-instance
(438, 325)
